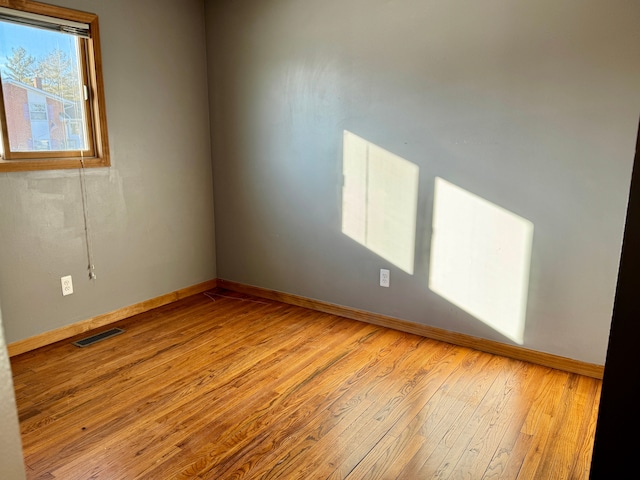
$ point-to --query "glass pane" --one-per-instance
(42, 89)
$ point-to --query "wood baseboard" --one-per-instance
(489, 346)
(47, 338)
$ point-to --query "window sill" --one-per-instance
(53, 164)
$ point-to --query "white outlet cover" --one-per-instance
(384, 277)
(67, 285)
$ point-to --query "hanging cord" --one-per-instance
(85, 202)
(85, 212)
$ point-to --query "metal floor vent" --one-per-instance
(85, 342)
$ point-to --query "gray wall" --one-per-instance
(11, 463)
(531, 105)
(151, 212)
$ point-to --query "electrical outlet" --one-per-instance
(67, 285)
(384, 277)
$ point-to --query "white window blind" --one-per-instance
(42, 21)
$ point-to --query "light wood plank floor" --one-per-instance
(225, 386)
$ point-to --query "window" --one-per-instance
(52, 112)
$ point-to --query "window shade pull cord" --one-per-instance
(85, 213)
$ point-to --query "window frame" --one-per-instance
(97, 153)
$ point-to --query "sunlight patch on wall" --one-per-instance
(379, 200)
(480, 258)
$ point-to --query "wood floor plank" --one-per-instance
(88, 414)
(512, 466)
(111, 359)
(412, 431)
(540, 424)
(289, 403)
(344, 403)
(504, 463)
(228, 386)
(368, 434)
(570, 418)
(582, 457)
(472, 417)
(378, 388)
(327, 382)
(178, 396)
(485, 442)
(121, 397)
(452, 405)
(367, 388)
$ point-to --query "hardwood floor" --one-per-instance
(228, 386)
